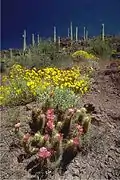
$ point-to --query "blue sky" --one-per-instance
(39, 16)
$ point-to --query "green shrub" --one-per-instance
(63, 98)
(100, 48)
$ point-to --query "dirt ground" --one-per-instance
(99, 159)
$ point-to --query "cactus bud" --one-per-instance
(17, 125)
(59, 125)
(58, 137)
(26, 137)
(86, 123)
(83, 110)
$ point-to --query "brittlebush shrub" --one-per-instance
(23, 85)
(84, 55)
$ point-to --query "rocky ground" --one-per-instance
(99, 158)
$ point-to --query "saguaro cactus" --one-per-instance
(55, 37)
(11, 55)
(68, 32)
(24, 41)
(38, 39)
(33, 39)
(59, 40)
(71, 31)
(84, 33)
(103, 32)
(76, 35)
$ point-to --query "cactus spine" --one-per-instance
(71, 31)
(76, 36)
(103, 32)
(24, 41)
(55, 37)
(33, 39)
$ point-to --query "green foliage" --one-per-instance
(61, 97)
(100, 48)
(43, 55)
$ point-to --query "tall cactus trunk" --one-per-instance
(59, 41)
(76, 35)
(33, 39)
(84, 33)
(68, 32)
(24, 41)
(71, 31)
(11, 54)
(38, 39)
(103, 32)
(55, 36)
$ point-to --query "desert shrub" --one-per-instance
(46, 54)
(23, 85)
(84, 55)
(63, 98)
(100, 48)
(2, 67)
(53, 133)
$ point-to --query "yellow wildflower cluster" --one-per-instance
(84, 54)
(22, 82)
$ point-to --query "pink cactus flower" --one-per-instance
(50, 111)
(50, 118)
(17, 125)
(52, 151)
(44, 153)
(76, 141)
(59, 136)
(26, 137)
(80, 129)
(50, 125)
(71, 111)
(46, 137)
(50, 114)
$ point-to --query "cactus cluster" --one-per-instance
(53, 132)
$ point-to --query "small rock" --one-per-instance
(101, 165)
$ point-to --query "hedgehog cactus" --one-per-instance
(50, 137)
